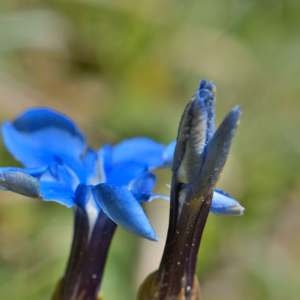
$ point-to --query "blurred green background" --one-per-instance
(127, 68)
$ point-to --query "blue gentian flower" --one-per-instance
(57, 161)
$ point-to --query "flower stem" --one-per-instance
(176, 274)
(79, 244)
(85, 267)
(95, 258)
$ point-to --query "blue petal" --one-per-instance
(207, 91)
(82, 195)
(36, 183)
(20, 181)
(140, 149)
(57, 192)
(142, 187)
(124, 172)
(62, 174)
(40, 136)
(58, 184)
(217, 152)
(223, 204)
(104, 162)
(89, 166)
(119, 204)
(85, 167)
(191, 141)
(168, 153)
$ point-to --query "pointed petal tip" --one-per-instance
(231, 121)
(204, 95)
(236, 113)
(242, 209)
(237, 109)
(237, 210)
(224, 204)
(151, 235)
(148, 233)
(206, 84)
(119, 204)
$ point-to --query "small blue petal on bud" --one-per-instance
(218, 150)
(223, 204)
(191, 141)
(208, 90)
(208, 85)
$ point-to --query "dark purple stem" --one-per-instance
(85, 267)
(79, 244)
(95, 258)
(178, 265)
(197, 236)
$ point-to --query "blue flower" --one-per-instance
(58, 162)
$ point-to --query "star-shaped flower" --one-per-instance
(58, 162)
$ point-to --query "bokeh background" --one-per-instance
(127, 68)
